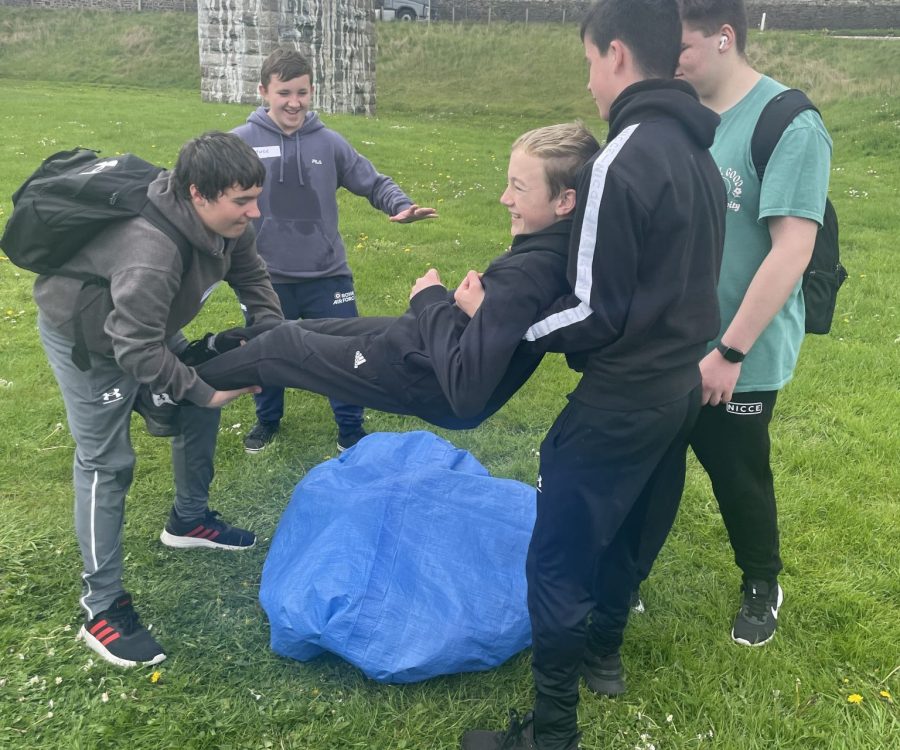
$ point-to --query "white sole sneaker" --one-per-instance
(94, 645)
(193, 542)
(774, 612)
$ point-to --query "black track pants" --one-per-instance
(298, 355)
(604, 477)
(731, 441)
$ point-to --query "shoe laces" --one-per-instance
(124, 618)
(514, 735)
(756, 601)
(262, 431)
(212, 520)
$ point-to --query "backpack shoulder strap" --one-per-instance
(156, 217)
(778, 113)
(80, 354)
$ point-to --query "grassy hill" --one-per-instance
(451, 99)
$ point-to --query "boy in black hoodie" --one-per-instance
(643, 265)
(452, 359)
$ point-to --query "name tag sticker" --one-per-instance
(267, 152)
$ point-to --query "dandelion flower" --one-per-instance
(886, 695)
(854, 698)
(154, 678)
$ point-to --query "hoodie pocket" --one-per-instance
(295, 248)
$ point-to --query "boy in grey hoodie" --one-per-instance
(132, 326)
(297, 234)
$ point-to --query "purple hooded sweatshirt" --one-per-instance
(297, 234)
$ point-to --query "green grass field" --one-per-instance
(444, 135)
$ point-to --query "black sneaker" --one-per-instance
(350, 438)
(757, 618)
(518, 736)
(118, 636)
(604, 675)
(206, 531)
(260, 436)
(161, 414)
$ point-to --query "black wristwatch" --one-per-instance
(730, 355)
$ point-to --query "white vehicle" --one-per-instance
(404, 10)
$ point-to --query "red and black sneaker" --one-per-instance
(207, 531)
(118, 636)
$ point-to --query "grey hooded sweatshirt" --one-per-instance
(298, 231)
(150, 297)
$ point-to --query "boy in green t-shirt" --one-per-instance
(770, 231)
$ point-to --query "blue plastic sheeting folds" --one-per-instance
(404, 557)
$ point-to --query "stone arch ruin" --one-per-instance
(338, 37)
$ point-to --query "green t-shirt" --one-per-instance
(795, 184)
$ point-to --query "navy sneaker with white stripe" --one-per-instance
(207, 531)
(118, 636)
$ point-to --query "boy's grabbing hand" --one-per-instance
(469, 294)
(431, 278)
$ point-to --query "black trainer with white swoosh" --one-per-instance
(757, 618)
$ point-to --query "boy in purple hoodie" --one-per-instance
(297, 234)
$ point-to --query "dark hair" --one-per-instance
(651, 29)
(214, 162)
(708, 16)
(287, 64)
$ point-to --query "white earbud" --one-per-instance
(723, 40)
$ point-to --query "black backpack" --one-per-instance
(824, 274)
(67, 201)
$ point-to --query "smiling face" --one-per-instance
(527, 195)
(288, 101)
(229, 214)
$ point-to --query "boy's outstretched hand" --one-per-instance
(469, 294)
(414, 213)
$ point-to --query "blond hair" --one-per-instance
(564, 148)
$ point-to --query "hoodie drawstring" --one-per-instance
(299, 160)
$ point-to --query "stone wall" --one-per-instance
(780, 14)
(130, 5)
(337, 36)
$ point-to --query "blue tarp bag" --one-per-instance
(404, 557)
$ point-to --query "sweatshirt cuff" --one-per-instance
(401, 206)
(428, 296)
(199, 393)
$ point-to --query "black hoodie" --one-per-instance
(645, 253)
(454, 371)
